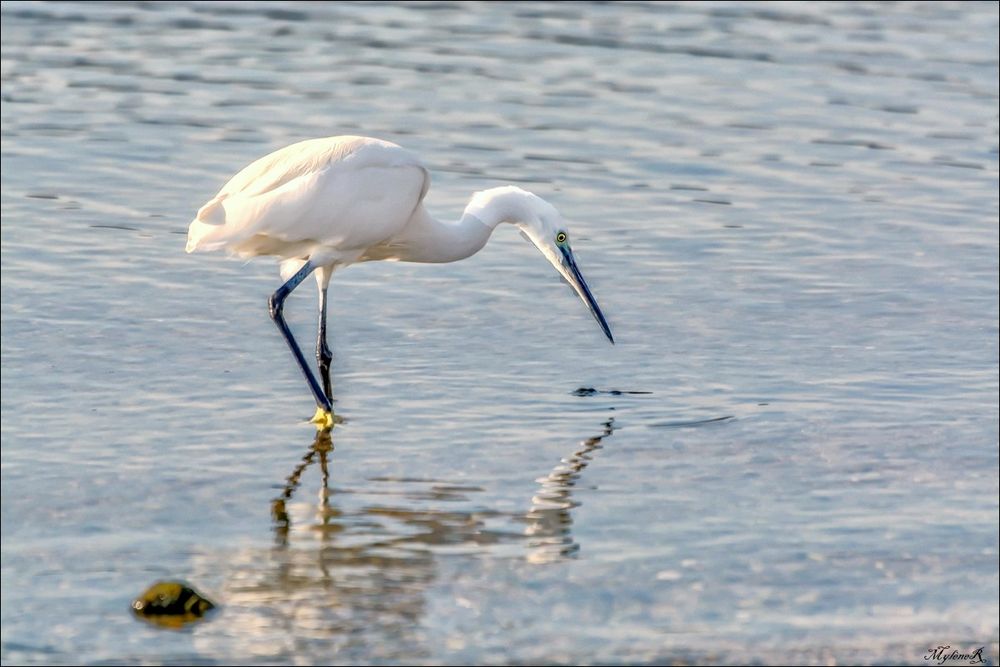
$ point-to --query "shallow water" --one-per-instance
(787, 211)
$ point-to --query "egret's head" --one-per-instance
(540, 223)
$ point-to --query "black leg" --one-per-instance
(323, 354)
(276, 304)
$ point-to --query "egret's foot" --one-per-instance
(324, 419)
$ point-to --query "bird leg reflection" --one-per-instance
(321, 448)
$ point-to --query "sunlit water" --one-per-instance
(788, 213)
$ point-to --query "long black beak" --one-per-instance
(575, 279)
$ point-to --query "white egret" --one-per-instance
(323, 204)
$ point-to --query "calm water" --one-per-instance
(788, 213)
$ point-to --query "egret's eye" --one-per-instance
(561, 238)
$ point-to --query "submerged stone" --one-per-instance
(171, 604)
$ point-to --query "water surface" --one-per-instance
(787, 211)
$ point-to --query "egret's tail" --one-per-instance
(208, 230)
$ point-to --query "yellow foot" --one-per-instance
(324, 420)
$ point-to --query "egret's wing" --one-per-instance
(341, 192)
(278, 168)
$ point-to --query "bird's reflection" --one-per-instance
(320, 451)
(549, 520)
(354, 566)
(423, 527)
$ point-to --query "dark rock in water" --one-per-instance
(590, 391)
(171, 604)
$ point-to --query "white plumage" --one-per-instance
(326, 203)
(335, 197)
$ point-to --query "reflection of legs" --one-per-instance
(276, 304)
(323, 354)
(322, 445)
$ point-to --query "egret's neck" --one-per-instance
(503, 204)
(489, 208)
(426, 239)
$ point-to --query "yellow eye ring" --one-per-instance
(561, 237)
